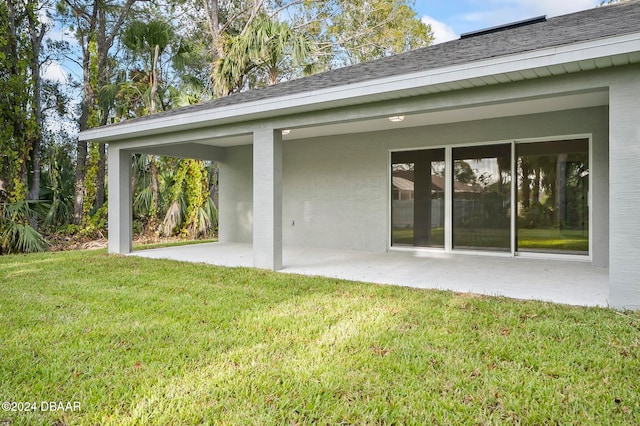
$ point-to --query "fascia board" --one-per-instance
(359, 92)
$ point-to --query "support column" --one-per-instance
(624, 194)
(120, 202)
(267, 199)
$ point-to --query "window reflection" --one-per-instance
(553, 185)
(417, 199)
(481, 197)
(551, 194)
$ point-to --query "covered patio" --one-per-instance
(567, 282)
(547, 128)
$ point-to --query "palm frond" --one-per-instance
(172, 219)
(16, 233)
(58, 212)
(142, 202)
(22, 238)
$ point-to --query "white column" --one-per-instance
(267, 199)
(120, 208)
(624, 193)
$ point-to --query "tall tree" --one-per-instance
(148, 41)
(317, 36)
(18, 128)
(370, 29)
(37, 31)
(97, 24)
(261, 55)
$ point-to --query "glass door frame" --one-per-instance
(448, 201)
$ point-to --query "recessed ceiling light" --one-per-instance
(396, 118)
(286, 131)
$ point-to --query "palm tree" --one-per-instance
(261, 55)
(149, 40)
(16, 233)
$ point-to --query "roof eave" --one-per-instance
(364, 91)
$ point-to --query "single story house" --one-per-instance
(540, 119)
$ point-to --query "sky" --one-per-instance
(450, 18)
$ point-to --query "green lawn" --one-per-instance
(139, 341)
(145, 246)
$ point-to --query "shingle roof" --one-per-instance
(592, 24)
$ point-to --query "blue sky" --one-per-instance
(450, 18)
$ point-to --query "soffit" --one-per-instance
(454, 115)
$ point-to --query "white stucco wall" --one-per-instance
(336, 188)
(624, 272)
(236, 195)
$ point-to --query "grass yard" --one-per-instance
(161, 244)
(138, 341)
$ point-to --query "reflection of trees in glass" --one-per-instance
(537, 175)
(417, 209)
(553, 185)
(464, 173)
(576, 212)
(481, 209)
(553, 191)
(486, 192)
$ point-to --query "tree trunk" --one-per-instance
(36, 149)
(18, 120)
(154, 80)
(273, 75)
(4, 179)
(101, 176)
(526, 185)
(536, 185)
(81, 146)
(85, 107)
(104, 30)
(213, 22)
(561, 190)
(155, 188)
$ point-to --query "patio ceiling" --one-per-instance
(510, 109)
(204, 146)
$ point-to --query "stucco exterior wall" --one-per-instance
(336, 188)
(625, 193)
(236, 195)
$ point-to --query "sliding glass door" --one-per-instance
(553, 188)
(417, 198)
(482, 197)
(544, 208)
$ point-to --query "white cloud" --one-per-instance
(441, 31)
(53, 71)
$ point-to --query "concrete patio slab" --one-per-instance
(559, 281)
